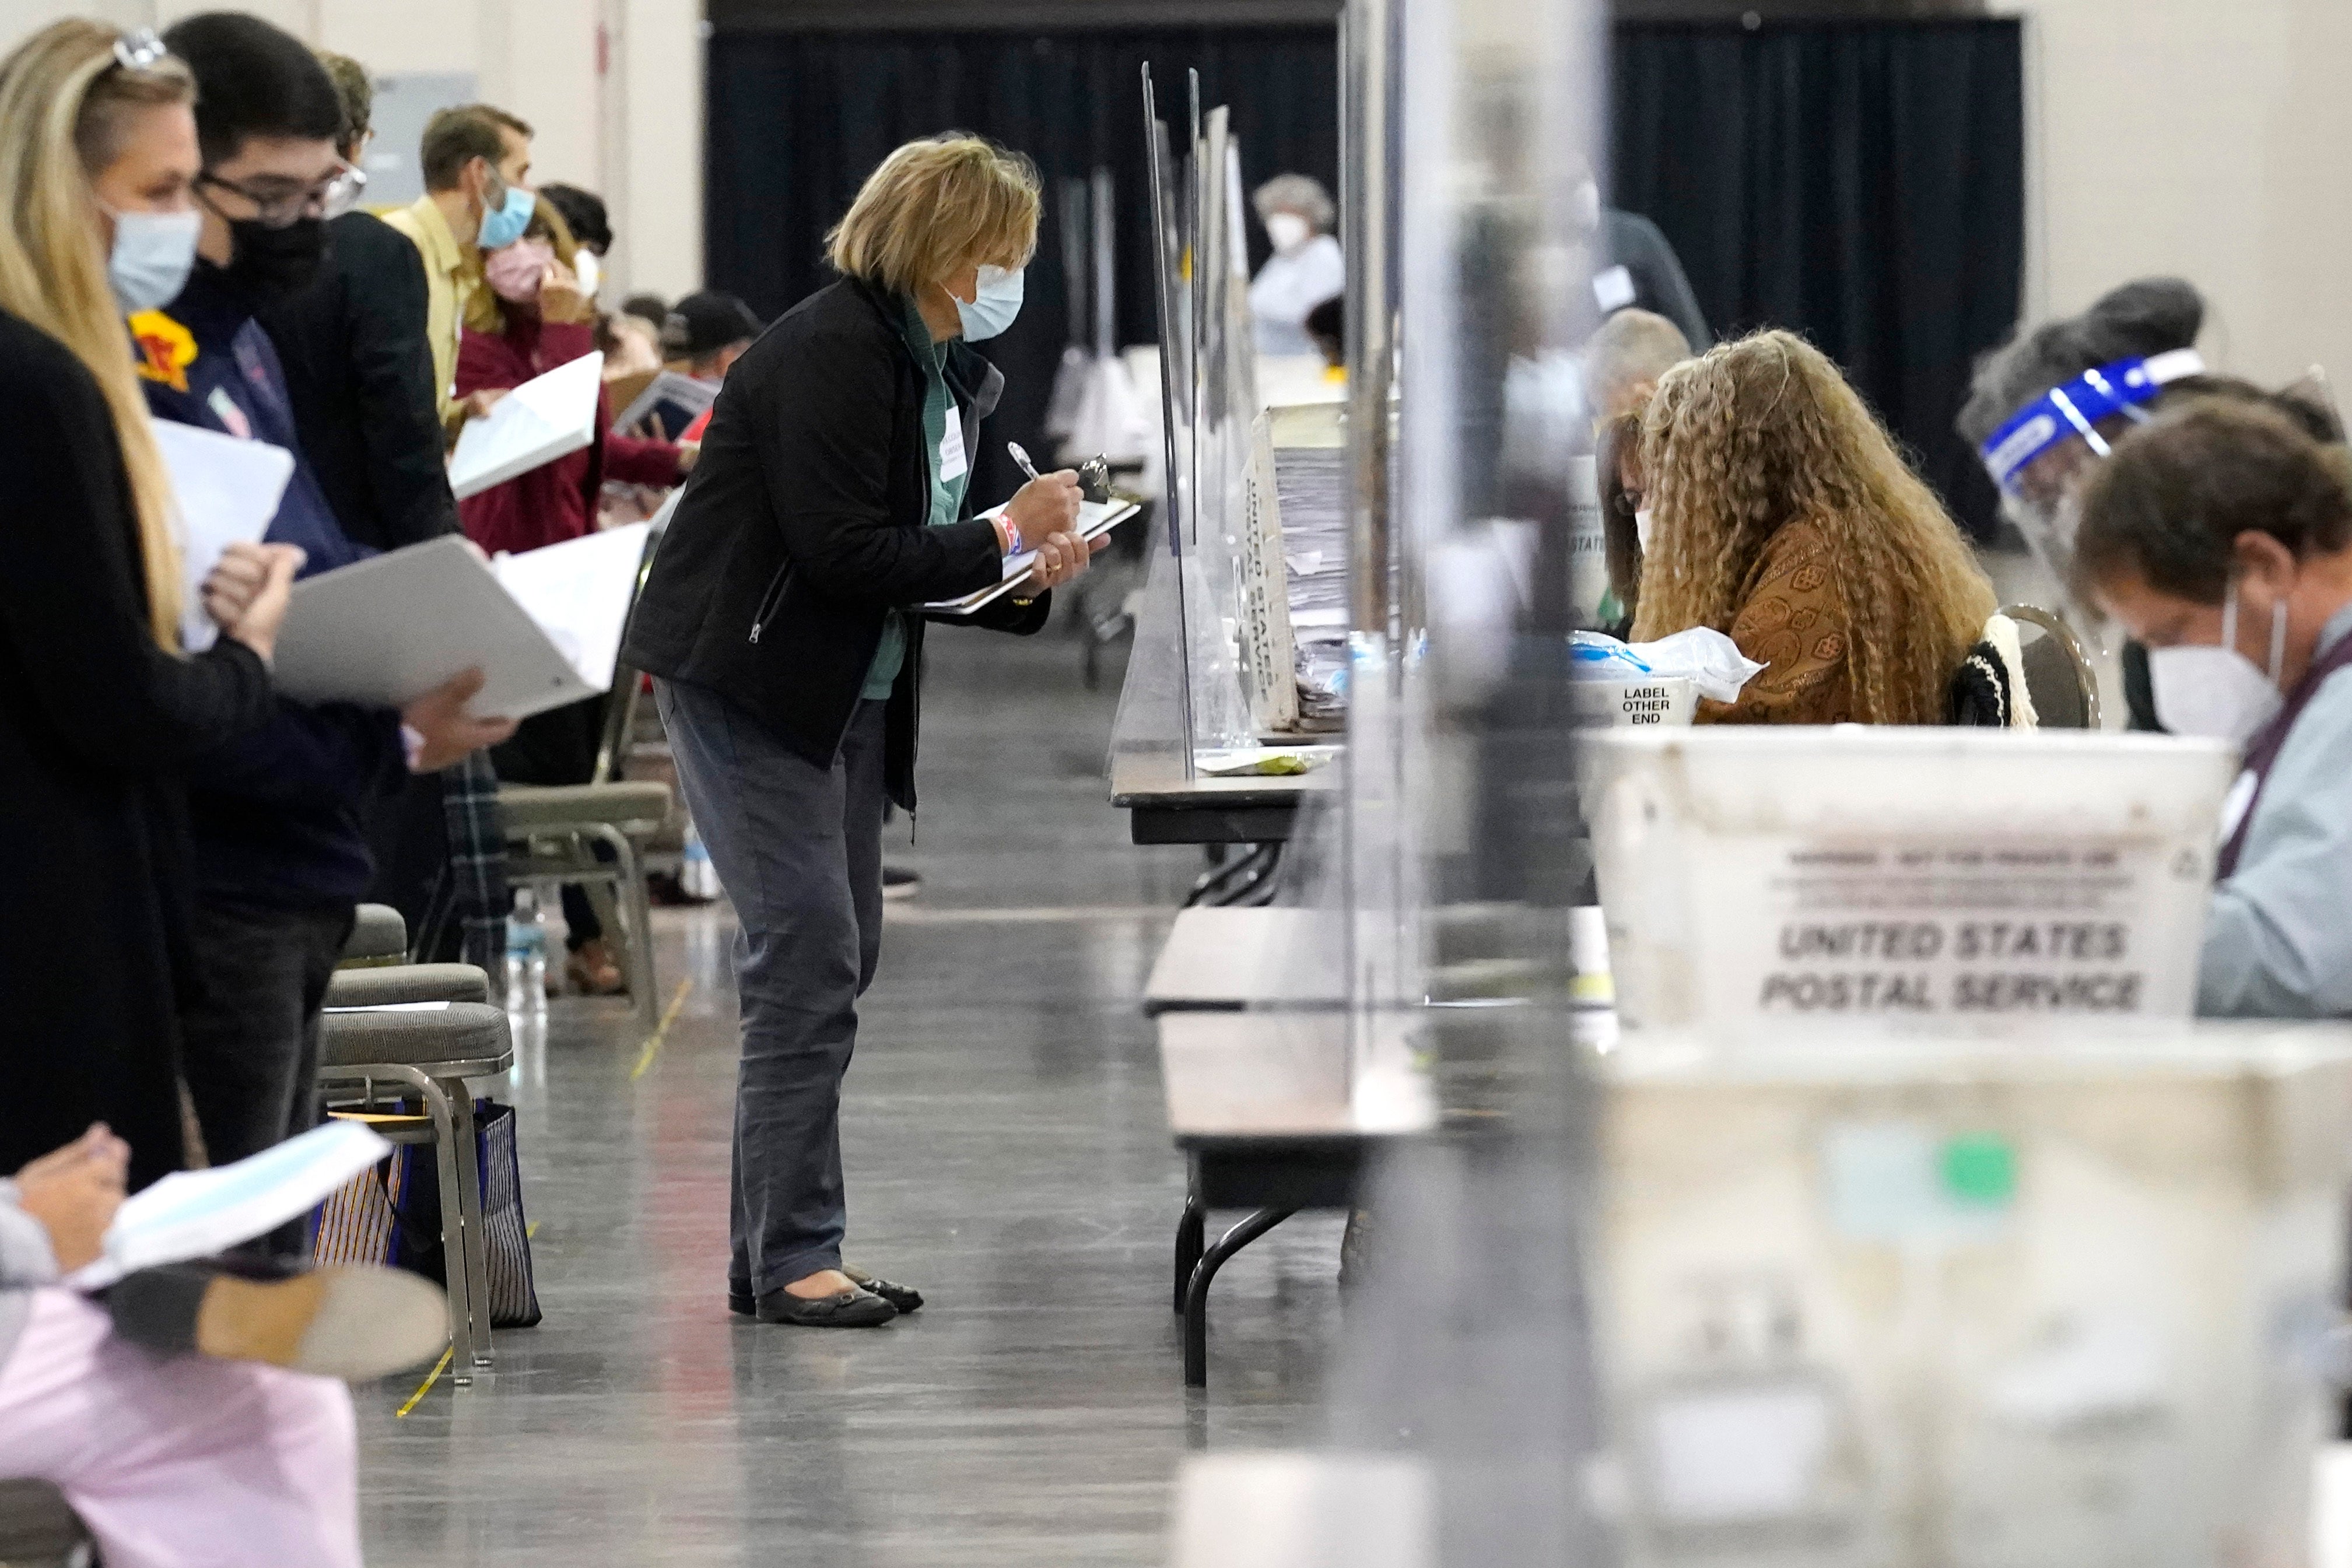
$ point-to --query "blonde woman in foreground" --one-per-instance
(1782, 514)
(783, 625)
(100, 708)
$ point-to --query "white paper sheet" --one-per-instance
(1095, 518)
(386, 630)
(579, 592)
(224, 492)
(195, 1214)
(547, 417)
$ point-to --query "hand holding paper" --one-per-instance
(224, 492)
(248, 590)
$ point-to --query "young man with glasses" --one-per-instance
(276, 818)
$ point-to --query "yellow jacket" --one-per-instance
(452, 272)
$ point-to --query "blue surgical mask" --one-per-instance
(503, 225)
(152, 255)
(998, 302)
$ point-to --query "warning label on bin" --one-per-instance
(1956, 931)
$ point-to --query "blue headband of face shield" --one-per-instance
(2074, 411)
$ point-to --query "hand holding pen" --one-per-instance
(1043, 516)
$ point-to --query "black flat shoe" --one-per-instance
(905, 1298)
(849, 1310)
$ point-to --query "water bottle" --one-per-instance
(696, 874)
(526, 957)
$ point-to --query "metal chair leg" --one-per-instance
(438, 1106)
(638, 917)
(474, 1256)
(1196, 1294)
(1190, 1230)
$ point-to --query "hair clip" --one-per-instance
(140, 51)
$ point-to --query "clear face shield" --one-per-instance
(2042, 450)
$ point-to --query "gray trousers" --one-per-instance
(799, 849)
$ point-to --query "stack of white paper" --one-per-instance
(195, 1214)
(224, 492)
(547, 417)
(544, 627)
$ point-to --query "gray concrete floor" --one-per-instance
(1007, 1153)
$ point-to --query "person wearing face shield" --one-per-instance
(1306, 269)
(782, 621)
(476, 161)
(2220, 537)
(277, 818)
(2148, 320)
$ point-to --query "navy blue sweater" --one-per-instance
(277, 816)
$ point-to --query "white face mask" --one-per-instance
(1288, 231)
(151, 257)
(2217, 690)
(1641, 529)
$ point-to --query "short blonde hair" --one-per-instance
(935, 207)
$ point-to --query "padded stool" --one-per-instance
(396, 984)
(380, 936)
(550, 828)
(432, 1054)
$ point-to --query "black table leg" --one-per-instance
(1196, 1294)
(1188, 1233)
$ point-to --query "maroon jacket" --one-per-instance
(558, 501)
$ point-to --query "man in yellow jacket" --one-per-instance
(475, 161)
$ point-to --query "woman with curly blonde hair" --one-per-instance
(1783, 514)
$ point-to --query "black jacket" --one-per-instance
(359, 367)
(96, 725)
(804, 522)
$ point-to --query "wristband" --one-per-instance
(412, 741)
(1012, 544)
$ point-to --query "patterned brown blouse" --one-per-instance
(1792, 619)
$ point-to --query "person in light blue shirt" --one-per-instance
(2220, 536)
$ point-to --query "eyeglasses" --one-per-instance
(140, 51)
(330, 198)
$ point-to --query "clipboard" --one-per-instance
(1096, 518)
(547, 417)
(682, 391)
(386, 630)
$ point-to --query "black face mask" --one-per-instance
(270, 264)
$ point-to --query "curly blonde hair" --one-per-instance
(1763, 432)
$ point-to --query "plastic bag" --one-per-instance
(1710, 658)
(1597, 656)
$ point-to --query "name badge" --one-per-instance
(1613, 288)
(952, 461)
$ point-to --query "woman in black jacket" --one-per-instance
(99, 706)
(782, 623)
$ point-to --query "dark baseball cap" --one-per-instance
(704, 323)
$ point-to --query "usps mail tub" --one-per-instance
(1889, 875)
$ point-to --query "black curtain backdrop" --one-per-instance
(1861, 182)
(798, 120)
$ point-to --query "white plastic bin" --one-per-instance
(1982, 1304)
(1902, 877)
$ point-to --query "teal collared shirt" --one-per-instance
(939, 449)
